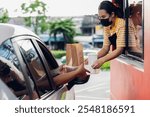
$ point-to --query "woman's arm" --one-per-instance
(113, 54)
(104, 51)
(108, 57)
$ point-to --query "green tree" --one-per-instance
(66, 27)
(4, 18)
(37, 18)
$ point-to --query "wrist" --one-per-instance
(76, 72)
(98, 56)
(103, 60)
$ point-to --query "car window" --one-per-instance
(7, 52)
(49, 57)
(35, 66)
(13, 78)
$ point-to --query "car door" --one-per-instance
(5, 92)
(66, 91)
(39, 67)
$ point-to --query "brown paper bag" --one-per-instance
(74, 54)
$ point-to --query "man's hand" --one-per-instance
(81, 71)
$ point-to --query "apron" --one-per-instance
(113, 40)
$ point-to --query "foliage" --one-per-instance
(37, 18)
(106, 66)
(58, 53)
(4, 18)
(65, 27)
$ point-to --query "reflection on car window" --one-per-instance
(35, 65)
(10, 71)
(7, 51)
(48, 56)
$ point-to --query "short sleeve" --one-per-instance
(106, 35)
(121, 37)
(120, 31)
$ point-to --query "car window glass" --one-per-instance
(49, 57)
(13, 78)
(35, 66)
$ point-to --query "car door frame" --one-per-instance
(34, 40)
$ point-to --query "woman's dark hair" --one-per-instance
(4, 69)
(109, 7)
(119, 3)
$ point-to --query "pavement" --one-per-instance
(97, 88)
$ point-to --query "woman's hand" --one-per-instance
(98, 63)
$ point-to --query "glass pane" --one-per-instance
(49, 57)
(52, 64)
(135, 36)
(35, 65)
(10, 71)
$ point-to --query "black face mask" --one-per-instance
(105, 22)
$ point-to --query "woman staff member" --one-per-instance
(114, 33)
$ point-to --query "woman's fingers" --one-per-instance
(95, 65)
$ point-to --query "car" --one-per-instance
(5, 92)
(97, 40)
(86, 45)
(30, 59)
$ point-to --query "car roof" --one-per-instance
(10, 30)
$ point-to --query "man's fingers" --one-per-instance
(61, 67)
(86, 61)
(87, 71)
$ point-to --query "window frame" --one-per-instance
(21, 64)
(48, 53)
(22, 67)
(32, 39)
(44, 62)
(126, 6)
